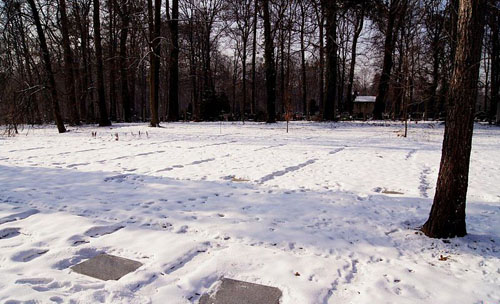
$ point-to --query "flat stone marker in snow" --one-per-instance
(239, 292)
(106, 267)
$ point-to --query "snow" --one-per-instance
(339, 204)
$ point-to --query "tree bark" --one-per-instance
(305, 108)
(244, 76)
(68, 65)
(330, 10)
(321, 71)
(103, 112)
(173, 100)
(495, 66)
(48, 67)
(269, 65)
(385, 77)
(154, 75)
(112, 61)
(447, 216)
(358, 27)
(124, 13)
(253, 104)
(83, 76)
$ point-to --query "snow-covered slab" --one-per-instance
(239, 292)
(106, 267)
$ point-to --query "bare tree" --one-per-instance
(253, 104)
(68, 62)
(270, 64)
(154, 21)
(447, 216)
(395, 10)
(48, 67)
(124, 10)
(103, 112)
(330, 104)
(358, 27)
(241, 26)
(494, 20)
(173, 100)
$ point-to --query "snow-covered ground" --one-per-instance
(328, 213)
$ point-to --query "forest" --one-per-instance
(102, 61)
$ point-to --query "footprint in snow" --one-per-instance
(28, 255)
(77, 240)
(18, 216)
(76, 165)
(183, 229)
(56, 299)
(99, 231)
(118, 178)
(8, 233)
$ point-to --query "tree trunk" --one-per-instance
(112, 61)
(305, 108)
(330, 10)
(85, 69)
(244, 76)
(68, 65)
(48, 68)
(29, 63)
(282, 69)
(154, 75)
(385, 77)
(103, 113)
(235, 78)
(447, 216)
(173, 100)
(193, 73)
(436, 56)
(321, 101)
(269, 65)
(254, 55)
(358, 27)
(495, 67)
(125, 95)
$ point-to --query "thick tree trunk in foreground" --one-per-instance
(447, 217)
(269, 64)
(103, 112)
(48, 67)
(173, 92)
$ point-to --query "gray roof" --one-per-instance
(365, 99)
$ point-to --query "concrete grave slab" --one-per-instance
(239, 292)
(106, 267)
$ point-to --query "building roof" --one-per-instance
(365, 99)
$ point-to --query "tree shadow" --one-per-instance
(319, 221)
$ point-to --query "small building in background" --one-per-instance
(363, 106)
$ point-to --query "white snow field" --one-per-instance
(328, 213)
